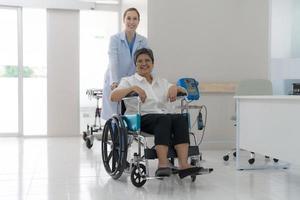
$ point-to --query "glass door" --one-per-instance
(9, 73)
(34, 71)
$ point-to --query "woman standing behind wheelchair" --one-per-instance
(169, 129)
(121, 48)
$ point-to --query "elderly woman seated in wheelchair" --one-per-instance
(170, 130)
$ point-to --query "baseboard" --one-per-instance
(216, 145)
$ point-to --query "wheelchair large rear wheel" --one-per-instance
(114, 146)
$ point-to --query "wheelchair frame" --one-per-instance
(119, 133)
(91, 130)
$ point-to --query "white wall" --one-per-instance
(212, 41)
(63, 72)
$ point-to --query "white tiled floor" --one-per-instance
(63, 168)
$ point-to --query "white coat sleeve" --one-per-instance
(113, 60)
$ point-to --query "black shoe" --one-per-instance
(163, 172)
(188, 172)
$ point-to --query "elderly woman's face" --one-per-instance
(144, 65)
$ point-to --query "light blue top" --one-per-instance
(120, 65)
(130, 44)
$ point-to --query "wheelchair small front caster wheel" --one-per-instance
(194, 162)
(251, 161)
(84, 135)
(88, 143)
(138, 175)
(275, 160)
(226, 157)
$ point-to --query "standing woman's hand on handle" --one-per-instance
(113, 85)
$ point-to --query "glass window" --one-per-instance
(8, 71)
(96, 27)
(34, 71)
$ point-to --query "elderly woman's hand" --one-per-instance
(140, 92)
(172, 93)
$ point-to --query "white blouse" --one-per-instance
(157, 91)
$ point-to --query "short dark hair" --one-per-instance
(146, 51)
(131, 9)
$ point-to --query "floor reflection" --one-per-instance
(63, 168)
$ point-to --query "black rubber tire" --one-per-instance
(138, 175)
(88, 143)
(114, 146)
(84, 135)
(251, 161)
(226, 157)
(275, 160)
(234, 154)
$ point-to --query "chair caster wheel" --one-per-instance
(275, 160)
(234, 154)
(226, 157)
(88, 143)
(251, 161)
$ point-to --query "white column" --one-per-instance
(63, 72)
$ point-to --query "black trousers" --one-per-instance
(169, 129)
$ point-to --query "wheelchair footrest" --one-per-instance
(151, 153)
(205, 171)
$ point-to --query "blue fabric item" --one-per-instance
(130, 44)
(191, 86)
(133, 122)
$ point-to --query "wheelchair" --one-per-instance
(92, 131)
(120, 131)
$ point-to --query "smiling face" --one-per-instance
(144, 65)
(131, 21)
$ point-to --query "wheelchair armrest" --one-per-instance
(131, 95)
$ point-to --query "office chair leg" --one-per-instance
(227, 155)
(274, 159)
